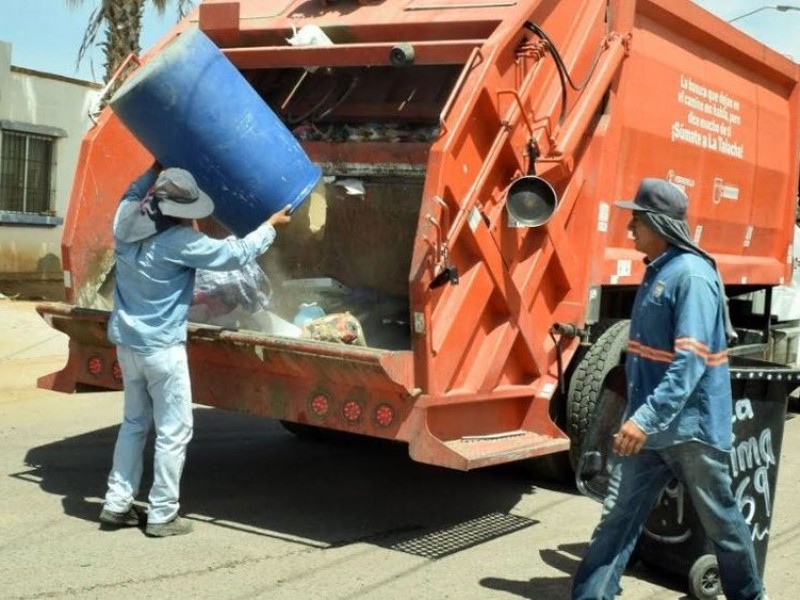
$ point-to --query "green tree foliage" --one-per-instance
(119, 23)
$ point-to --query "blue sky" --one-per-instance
(46, 34)
(774, 28)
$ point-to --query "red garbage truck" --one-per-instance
(471, 153)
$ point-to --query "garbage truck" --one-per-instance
(471, 152)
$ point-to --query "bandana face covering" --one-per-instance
(137, 221)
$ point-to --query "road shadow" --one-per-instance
(566, 558)
(250, 474)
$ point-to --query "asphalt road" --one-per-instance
(280, 517)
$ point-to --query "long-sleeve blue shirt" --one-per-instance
(677, 363)
(154, 277)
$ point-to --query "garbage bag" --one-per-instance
(342, 328)
(229, 298)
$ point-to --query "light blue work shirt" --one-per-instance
(677, 363)
(154, 278)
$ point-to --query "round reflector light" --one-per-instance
(352, 411)
(320, 405)
(384, 415)
(95, 365)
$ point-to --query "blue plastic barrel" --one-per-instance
(191, 108)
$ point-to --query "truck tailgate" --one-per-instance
(346, 387)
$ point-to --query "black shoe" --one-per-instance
(133, 518)
(178, 526)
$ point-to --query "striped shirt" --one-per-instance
(677, 360)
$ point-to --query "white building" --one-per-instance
(43, 118)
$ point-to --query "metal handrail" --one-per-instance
(97, 108)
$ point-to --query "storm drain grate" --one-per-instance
(461, 536)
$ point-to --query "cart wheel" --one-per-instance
(704, 578)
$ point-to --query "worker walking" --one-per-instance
(157, 252)
(678, 420)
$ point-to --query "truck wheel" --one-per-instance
(704, 578)
(557, 467)
(584, 386)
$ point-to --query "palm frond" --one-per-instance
(92, 29)
(121, 22)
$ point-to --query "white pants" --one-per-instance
(157, 390)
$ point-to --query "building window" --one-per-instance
(27, 162)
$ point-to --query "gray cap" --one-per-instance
(658, 196)
(179, 195)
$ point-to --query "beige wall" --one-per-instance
(33, 252)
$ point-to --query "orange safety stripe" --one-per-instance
(715, 360)
(689, 344)
(655, 354)
(701, 349)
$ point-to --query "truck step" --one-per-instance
(491, 449)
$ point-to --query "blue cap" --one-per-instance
(658, 196)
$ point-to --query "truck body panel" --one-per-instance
(437, 108)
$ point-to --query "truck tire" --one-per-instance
(584, 386)
(557, 467)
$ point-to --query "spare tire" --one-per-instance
(587, 379)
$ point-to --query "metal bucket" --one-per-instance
(530, 202)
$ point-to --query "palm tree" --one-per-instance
(121, 24)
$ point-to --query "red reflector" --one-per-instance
(384, 415)
(116, 370)
(352, 411)
(320, 405)
(95, 365)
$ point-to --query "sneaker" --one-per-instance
(133, 518)
(178, 526)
